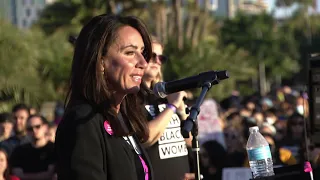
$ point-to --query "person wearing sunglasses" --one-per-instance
(166, 146)
(34, 160)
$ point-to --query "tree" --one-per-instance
(58, 16)
(265, 41)
(19, 78)
(55, 62)
(205, 57)
(34, 68)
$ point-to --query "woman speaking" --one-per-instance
(98, 137)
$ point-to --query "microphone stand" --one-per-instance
(191, 124)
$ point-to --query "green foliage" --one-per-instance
(69, 13)
(208, 56)
(58, 15)
(33, 67)
(265, 41)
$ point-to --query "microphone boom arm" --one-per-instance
(191, 125)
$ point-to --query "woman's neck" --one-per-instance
(118, 101)
(148, 82)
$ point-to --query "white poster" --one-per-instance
(171, 142)
(208, 123)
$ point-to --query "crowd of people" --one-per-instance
(27, 144)
(282, 117)
(27, 138)
(114, 127)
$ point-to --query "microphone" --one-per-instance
(162, 89)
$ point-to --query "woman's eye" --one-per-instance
(130, 53)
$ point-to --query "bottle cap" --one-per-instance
(254, 128)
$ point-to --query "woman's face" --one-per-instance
(3, 162)
(154, 66)
(124, 63)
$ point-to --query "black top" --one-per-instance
(169, 155)
(31, 159)
(86, 151)
(10, 144)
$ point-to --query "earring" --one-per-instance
(102, 68)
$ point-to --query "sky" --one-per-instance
(280, 12)
(270, 4)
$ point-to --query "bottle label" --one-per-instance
(259, 153)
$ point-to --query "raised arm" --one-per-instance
(160, 122)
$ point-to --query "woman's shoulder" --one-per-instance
(81, 109)
(81, 113)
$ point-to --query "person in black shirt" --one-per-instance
(20, 114)
(34, 160)
(167, 148)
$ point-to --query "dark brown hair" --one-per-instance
(89, 84)
(19, 107)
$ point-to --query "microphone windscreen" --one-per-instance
(159, 90)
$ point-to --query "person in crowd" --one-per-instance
(34, 160)
(281, 156)
(212, 160)
(235, 143)
(270, 116)
(58, 112)
(266, 103)
(294, 136)
(259, 117)
(6, 126)
(33, 111)
(99, 135)
(51, 133)
(302, 106)
(5, 171)
(20, 115)
(167, 148)
(281, 130)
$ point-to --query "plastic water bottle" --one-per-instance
(259, 154)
